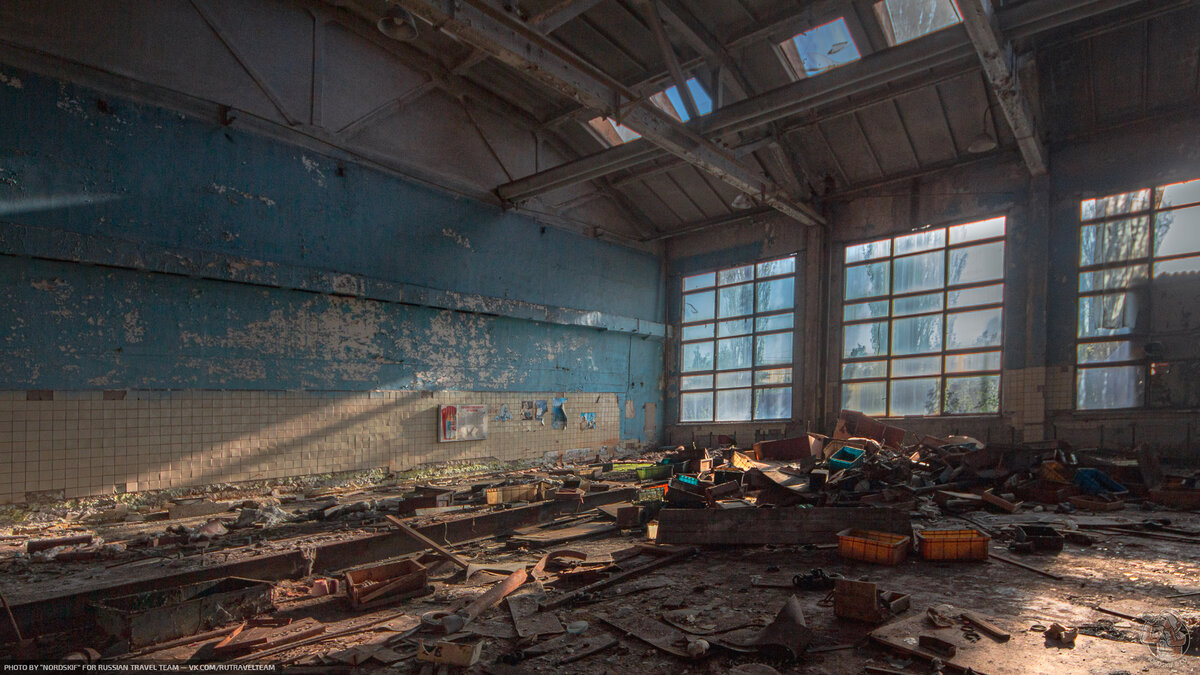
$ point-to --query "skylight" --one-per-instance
(820, 49)
(613, 132)
(670, 102)
(904, 20)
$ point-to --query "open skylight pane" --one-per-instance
(820, 49)
(904, 20)
(612, 132)
(670, 102)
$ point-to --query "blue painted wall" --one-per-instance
(162, 179)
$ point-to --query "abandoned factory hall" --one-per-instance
(609, 337)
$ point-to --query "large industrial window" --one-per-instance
(1128, 243)
(921, 331)
(735, 357)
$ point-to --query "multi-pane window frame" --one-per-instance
(888, 358)
(1117, 350)
(778, 377)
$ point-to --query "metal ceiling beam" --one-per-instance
(872, 72)
(999, 64)
(670, 58)
(709, 223)
(555, 16)
(485, 24)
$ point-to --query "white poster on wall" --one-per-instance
(462, 423)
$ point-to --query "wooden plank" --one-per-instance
(756, 527)
(556, 537)
(427, 541)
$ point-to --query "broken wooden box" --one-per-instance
(368, 585)
(157, 616)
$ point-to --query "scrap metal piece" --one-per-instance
(528, 618)
(667, 638)
(399, 524)
(788, 630)
(449, 653)
(494, 595)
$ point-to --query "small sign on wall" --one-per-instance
(462, 423)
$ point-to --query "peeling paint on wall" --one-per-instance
(310, 165)
(12, 81)
(226, 190)
(458, 238)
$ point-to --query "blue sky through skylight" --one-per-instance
(701, 97)
(825, 47)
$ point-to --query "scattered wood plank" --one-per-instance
(427, 541)
(1022, 565)
(758, 527)
(35, 545)
(561, 536)
(607, 644)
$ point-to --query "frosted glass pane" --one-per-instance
(697, 332)
(1118, 278)
(1129, 202)
(921, 241)
(696, 356)
(690, 382)
(735, 327)
(1116, 387)
(776, 295)
(1105, 352)
(982, 295)
(1105, 315)
(774, 376)
(866, 397)
(733, 405)
(984, 229)
(696, 407)
(698, 306)
(773, 404)
(737, 300)
(867, 281)
(1179, 194)
(733, 353)
(1114, 241)
(864, 370)
(774, 349)
(865, 310)
(774, 267)
(865, 339)
(920, 272)
(777, 322)
(925, 365)
(966, 363)
(980, 328)
(917, 304)
(915, 397)
(869, 251)
(905, 20)
(917, 335)
(699, 281)
(740, 378)
(736, 274)
(972, 395)
(1177, 232)
(977, 263)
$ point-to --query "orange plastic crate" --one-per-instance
(953, 544)
(871, 546)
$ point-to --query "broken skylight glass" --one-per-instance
(820, 49)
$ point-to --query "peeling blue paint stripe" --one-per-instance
(62, 245)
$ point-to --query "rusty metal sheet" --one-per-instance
(667, 638)
(529, 620)
(707, 620)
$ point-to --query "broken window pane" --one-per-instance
(776, 322)
(820, 49)
(612, 132)
(773, 404)
(698, 306)
(697, 356)
(904, 20)
(984, 229)
(866, 397)
(737, 300)
(733, 405)
(776, 295)
(1105, 315)
(699, 281)
(865, 339)
(774, 349)
(869, 251)
(1105, 352)
(1114, 387)
(736, 274)
(865, 310)
(966, 363)
(1129, 202)
(917, 304)
(696, 407)
(735, 327)
(1114, 241)
(867, 281)
(925, 365)
(972, 395)
(982, 295)
(740, 378)
(1117, 278)
(774, 376)
(972, 264)
(776, 267)
(697, 332)
(733, 353)
(1177, 232)
(864, 370)
(1179, 194)
(920, 272)
(915, 397)
(981, 328)
(670, 102)
(917, 335)
(691, 382)
(921, 241)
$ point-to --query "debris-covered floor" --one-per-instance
(805, 555)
